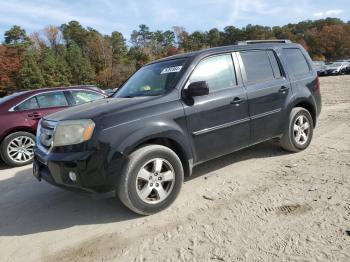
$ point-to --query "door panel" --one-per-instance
(48, 103)
(218, 122)
(267, 92)
(266, 105)
(217, 125)
(33, 116)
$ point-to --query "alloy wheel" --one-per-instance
(21, 149)
(155, 181)
(301, 129)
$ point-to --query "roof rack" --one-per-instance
(249, 42)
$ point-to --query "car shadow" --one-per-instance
(3, 165)
(29, 207)
(263, 150)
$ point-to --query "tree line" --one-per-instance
(71, 54)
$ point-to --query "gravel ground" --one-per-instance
(259, 204)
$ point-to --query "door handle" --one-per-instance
(284, 89)
(236, 101)
(34, 115)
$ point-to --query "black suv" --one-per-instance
(177, 112)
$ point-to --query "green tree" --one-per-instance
(62, 68)
(119, 48)
(137, 55)
(168, 39)
(196, 41)
(258, 32)
(74, 32)
(80, 68)
(16, 36)
(141, 38)
(30, 74)
(47, 62)
(213, 37)
(231, 35)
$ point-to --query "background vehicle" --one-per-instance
(177, 112)
(111, 91)
(21, 112)
(336, 68)
(347, 69)
(320, 67)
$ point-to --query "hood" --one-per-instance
(97, 108)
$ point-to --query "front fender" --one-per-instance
(124, 139)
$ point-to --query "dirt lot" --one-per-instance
(260, 204)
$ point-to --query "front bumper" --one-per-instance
(332, 72)
(94, 173)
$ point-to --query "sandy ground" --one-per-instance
(259, 204)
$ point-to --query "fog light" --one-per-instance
(72, 176)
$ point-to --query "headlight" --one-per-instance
(72, 132)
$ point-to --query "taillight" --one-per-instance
(318, 86)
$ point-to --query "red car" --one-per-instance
(21, 112)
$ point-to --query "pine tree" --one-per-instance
(30, 73)
(48, 67)
(16, 36)
(80, 68)
(62, 68)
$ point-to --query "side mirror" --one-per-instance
(199, 88)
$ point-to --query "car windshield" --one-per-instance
(9, 97)
(152, 80)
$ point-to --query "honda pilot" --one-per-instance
(175, 113)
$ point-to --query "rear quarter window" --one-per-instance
(296, 61)
(31, 103)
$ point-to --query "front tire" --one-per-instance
(151, 179)
(298, 134)
(17, 149)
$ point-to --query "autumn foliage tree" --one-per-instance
(10, 64)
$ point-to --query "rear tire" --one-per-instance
(298, 134)
(17, 149)
(151, 179)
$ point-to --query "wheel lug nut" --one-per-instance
(159, 178)
(150, 178)
(151, 184)
(157, 184)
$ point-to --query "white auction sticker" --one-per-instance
(173, 69)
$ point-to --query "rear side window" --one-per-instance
(28, 104)
(297, 61)
(81, 97)
(217, 71)
(52, 99)
(257, 66)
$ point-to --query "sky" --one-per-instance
(125, 16)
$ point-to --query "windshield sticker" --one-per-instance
(173, 69)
